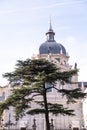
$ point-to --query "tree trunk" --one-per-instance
(46, 110)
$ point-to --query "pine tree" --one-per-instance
(29, 80)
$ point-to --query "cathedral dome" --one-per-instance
(51, 46)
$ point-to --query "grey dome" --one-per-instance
(51, 46)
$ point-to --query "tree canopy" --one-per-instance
(29, 80)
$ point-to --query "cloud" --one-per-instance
(59, 4)
(42, 7)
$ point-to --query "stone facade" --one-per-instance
(84, 101)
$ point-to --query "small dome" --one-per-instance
(51, 46)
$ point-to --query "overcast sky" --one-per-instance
(23, 24)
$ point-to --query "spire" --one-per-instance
(50, 34)
(50, 25)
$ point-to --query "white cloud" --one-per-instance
(59, 4)
(65, 3)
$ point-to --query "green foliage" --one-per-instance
(19, 99)
(36, 111)
(28, 81)
(59, 109)
(52, 108)
(73, 94)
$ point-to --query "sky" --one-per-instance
(23, 24)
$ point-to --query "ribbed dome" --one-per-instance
(51, 46)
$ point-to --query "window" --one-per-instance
(48, 87)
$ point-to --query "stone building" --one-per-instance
(85, 110)
(56, 53)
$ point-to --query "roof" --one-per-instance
(52, 47)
